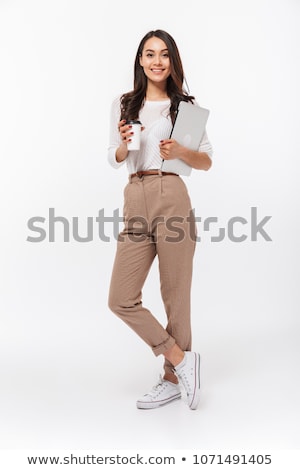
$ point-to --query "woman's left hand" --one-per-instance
(170, 149)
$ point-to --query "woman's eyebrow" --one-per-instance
(151, 50)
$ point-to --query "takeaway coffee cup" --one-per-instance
(136, 136)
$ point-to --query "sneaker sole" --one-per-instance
(196, 397)
(143, 405)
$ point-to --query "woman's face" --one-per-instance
(155, 60)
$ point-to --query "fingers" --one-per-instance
(164, 153)
(163, 149)
(125, 131)
(168, 149)
(166, 142)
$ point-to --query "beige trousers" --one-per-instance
(158, 220)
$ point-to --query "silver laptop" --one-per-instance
(188, 130)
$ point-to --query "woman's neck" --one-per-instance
(156, 93)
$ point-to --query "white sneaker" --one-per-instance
(188, 372)
(161, 394)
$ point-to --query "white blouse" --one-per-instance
(154, 115)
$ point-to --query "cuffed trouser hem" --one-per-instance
(163, 347)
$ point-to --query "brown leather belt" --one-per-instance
(151, 172)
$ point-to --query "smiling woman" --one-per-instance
(157, 197)
(156, 64)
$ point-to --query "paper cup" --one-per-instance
(136, 137)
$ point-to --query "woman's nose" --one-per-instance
(157, 60)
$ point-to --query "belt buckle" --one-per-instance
(140, 175)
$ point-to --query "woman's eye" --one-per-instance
(151, 55)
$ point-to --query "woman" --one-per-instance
(153, 202)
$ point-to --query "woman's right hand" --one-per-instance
(125, 131)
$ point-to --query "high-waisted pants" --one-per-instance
(158, 220)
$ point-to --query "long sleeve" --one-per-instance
(114, 135)
(205, 145)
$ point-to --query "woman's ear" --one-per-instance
(141, 60)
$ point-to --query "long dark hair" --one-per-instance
(132, 101)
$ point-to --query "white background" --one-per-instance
(70, 370)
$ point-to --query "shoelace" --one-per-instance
(186, 383)
(157, 388)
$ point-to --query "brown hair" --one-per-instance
(132, 101)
